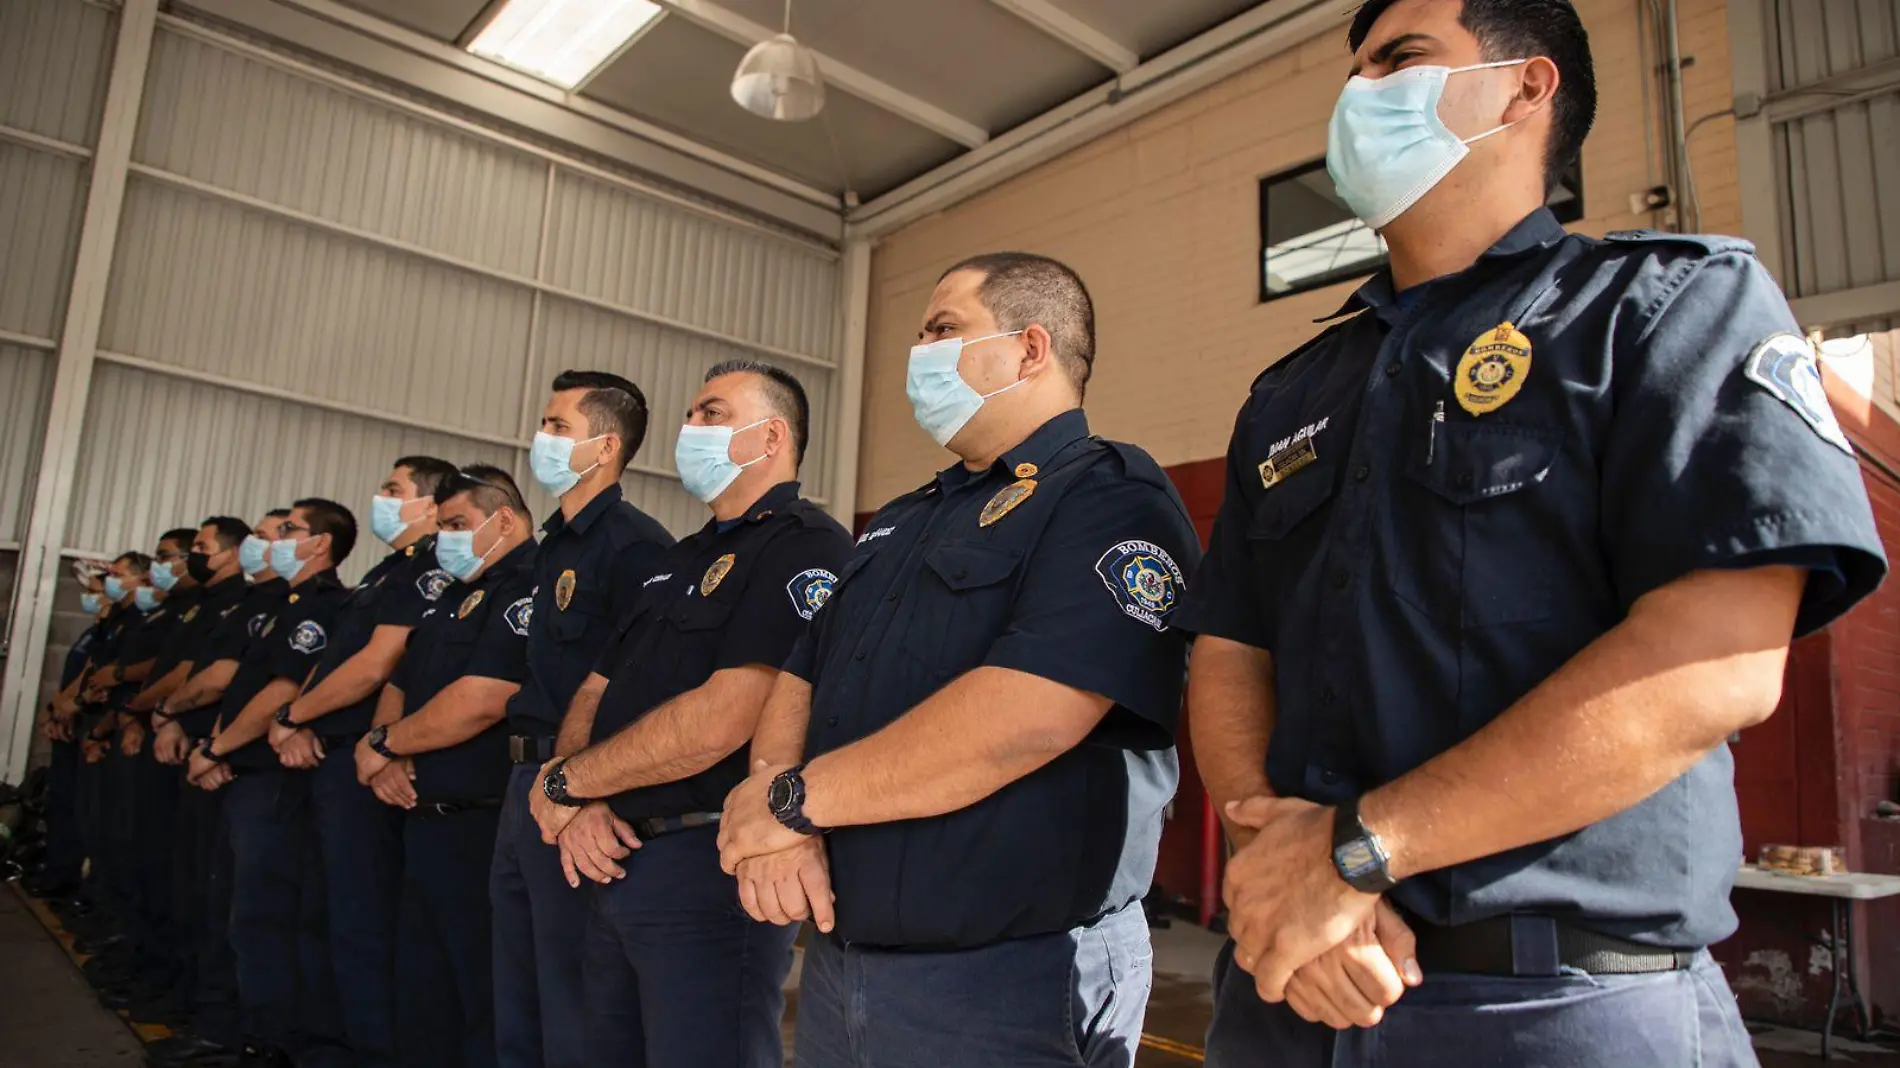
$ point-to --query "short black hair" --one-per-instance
(489, 487)
(427, 472)
(228, 529)
(140, 562)
(612, 405)
(1526, 29)
(328, 517)
(784, 394)
(277, 513)
(182, 536)
(1022, 288)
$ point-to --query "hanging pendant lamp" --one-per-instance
(778, 79)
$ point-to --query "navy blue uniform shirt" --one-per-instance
(395, 593)
(178, 604)
(145, 639)
(1416, 567)
(477, 629)
(732, 595)
(238, 624)
(587, 576)
(287, 646)
(1073, 580)
(190, 641)
(76, 656)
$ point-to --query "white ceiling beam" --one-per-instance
(742, 30)
(1073, 32)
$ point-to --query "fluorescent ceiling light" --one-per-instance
(562, 41)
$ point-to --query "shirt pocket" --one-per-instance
(583, 611)
(963, 604)
(1468, 541)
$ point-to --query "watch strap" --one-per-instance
(792, 813)
(1358, 855)
(378, 740)
(283, 716)
(554, 785)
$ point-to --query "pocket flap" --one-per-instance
(966, 567)
(1477, 461)
(700, 613)
(1288, 504)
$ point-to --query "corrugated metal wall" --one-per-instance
(310, 282)
(53, 56)
(1840, 160)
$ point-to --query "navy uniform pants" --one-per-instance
(360, 840)
(445, 1000)
(285, 986)
(154, 817)
(1685, 1018)
(206, 983)
(65, 852)
(1074, 999)
(537, 939)
(677, 975)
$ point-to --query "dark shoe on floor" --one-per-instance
(93, 947)
(193, 1052)
(265, 1057)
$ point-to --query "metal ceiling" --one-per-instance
(913, 83)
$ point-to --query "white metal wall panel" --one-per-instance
(26, 389)
(41, 198)
(53, 56)
(241, 125)
(1822, 38)
(617, 246)
(160, 452)
(214, 287)
(669, 368)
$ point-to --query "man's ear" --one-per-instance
(1039, 349)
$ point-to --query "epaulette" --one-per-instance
(1712, 244)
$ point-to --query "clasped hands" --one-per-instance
(784, 876)
(1335, 955)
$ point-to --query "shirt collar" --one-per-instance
(586, 516)
(1540, 229)
(1032, 455)
(772, 500)
(517, 557)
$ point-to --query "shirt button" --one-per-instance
(1392, 370)
(832, 722)
(1340, 578)
(1327, 697)
(860, 655)
(1329, 777)
(1361, 473)
(957, 574)
(1465, 479)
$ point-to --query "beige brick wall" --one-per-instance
(1161, 218)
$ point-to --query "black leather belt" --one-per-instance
(452, 808)
(530, 749)
(1538, 946)
(656, 826)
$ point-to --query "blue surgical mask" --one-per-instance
(146, 598)
(283, 559)
(704, 457)
(164, 577)
(385, 518)
(939, 397)
(550, 457)
(253, 554)
(115, 590)
(455, 551)
(91, 603)
(1387, 147)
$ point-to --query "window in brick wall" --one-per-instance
(1310, 239)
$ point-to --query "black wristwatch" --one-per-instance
(554, 784)
(1358, 855)
(378, 740)
(283, 716)
(786, 798)
(204, 746)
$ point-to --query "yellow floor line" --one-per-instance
(1168, 1045)
(146, 1033)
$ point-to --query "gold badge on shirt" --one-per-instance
(1026, 470)
(469, 603)
(564, 589)
(716, 574)
(191, 615)
(293, 598)
(1006, 501)
(1493, 370)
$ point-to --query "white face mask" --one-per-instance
(1387, 147)
(939, 397)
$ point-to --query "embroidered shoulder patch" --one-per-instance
(1144, 580)
(810, 590)
(519, 615)
(309, 637)
(431, 583)
(1785, 366)
(256, 624)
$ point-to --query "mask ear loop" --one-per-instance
(1012, 385)
(1469, 141)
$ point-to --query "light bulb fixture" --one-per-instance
(779, 79)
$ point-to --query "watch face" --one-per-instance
(1356, 859)
(779, 796)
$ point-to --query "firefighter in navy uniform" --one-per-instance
(359, 839)
(675, 971)
(249, 595)
(439, 753)
(594, 554)
(982, 716)
(58, 877)
(284, 983)
(1505, 557)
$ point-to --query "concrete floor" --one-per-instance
(50, 1019)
